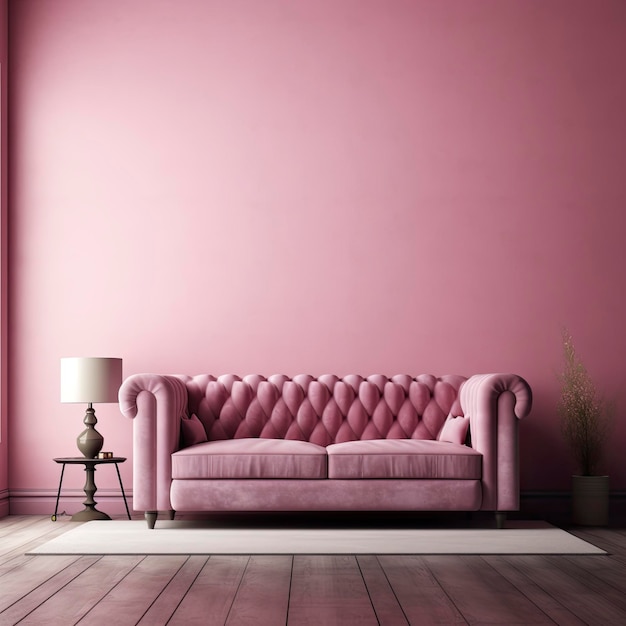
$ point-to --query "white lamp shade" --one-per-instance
(90, 379)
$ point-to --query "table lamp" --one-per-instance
(90, 380)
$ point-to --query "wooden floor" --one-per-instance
(319, 590)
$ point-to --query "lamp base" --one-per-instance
(90, 441)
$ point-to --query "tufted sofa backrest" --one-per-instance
(323, 410)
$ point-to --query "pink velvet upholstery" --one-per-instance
(454, 430)
(326, 495)
(251, 458)
(375, 436)
(494, 403)
(156, 403)
(402, 458)
(191, 431)
(323, 410)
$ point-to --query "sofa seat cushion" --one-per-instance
(251, 458)
(403, 458)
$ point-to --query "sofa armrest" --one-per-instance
(156, 404)
(494, 404)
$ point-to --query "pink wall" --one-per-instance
(4, 447)
(314, 186)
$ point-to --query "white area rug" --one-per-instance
(186, 537)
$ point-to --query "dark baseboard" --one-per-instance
(550, 506)
(4, 502)
(42, 502)
(555, 507)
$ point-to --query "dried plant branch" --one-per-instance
(585, 415)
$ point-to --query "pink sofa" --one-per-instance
(203, 443)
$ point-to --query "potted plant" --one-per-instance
(585, 418)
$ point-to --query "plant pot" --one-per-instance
(590, 500)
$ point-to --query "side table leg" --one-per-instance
(89, 512)
(119, 476)
(56, 506)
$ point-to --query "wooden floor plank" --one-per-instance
(389, 589)
(21, 580)
(142, 585)
(168, 600)
(611, 572)
(77, 598)
(10, 523)
(328, 589)
(578, 595)
(384, 601)
(263, 596)
(212, 593)
(35, 537)
(66, 571)
(613, 541)
(33, 530)
(615, 535)
(574, 567)
(421, 597)
(481, 594)
(22, 536)
(547, 603)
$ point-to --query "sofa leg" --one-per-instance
(151, 518)
(172, 513)
(500, 519)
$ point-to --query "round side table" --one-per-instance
(89, 512)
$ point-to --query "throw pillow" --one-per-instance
(191, 431)
(454, 430)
